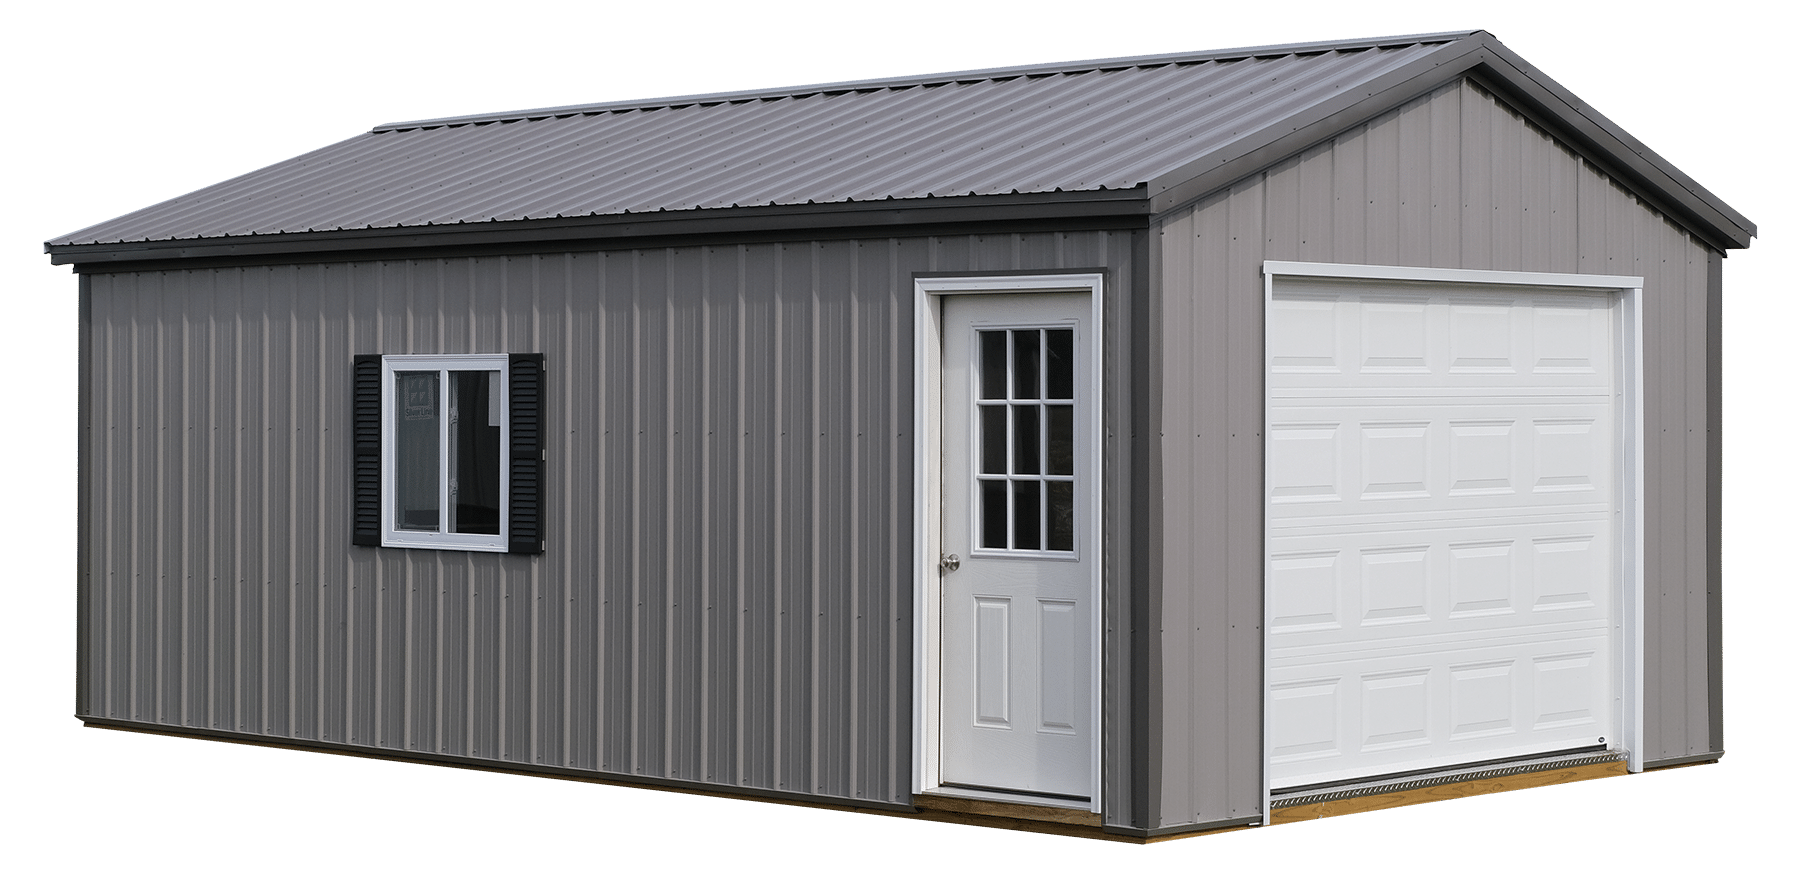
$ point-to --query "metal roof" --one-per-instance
(1095, 126)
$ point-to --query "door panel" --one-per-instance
(1017, 669)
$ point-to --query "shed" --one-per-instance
(1130, 447)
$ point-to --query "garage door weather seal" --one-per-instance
(1312, 795)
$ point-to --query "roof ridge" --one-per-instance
(1071, 67)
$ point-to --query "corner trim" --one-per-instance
(1715, 503)
(84, 487)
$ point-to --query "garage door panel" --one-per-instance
(1394, 585)
(1424, 518)
(1386, 712)
(1441, 526)
(1445, 644)
(1344, 335)
(1351, 457)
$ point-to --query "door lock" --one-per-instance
(949, 563)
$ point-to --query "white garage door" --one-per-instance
(1442, 486)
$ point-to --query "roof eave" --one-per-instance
(1478, 55)
(1083, 208)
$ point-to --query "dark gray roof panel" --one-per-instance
(1087, 126)
(1175, 126)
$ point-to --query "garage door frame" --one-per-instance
(1628, 372)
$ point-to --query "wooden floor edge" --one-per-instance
(1074, 824)
(1444, 791)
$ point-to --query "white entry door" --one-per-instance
(1443, 525)
(1016, 581)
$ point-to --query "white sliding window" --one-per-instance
(444, 443)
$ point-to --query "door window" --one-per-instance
(1025, 441)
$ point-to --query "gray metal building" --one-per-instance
(1167, 440)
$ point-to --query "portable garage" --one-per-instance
(1133, 447)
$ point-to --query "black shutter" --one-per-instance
(525, 484)
(365, 471)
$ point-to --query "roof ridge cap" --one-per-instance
(1070, 67)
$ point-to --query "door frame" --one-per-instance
(928, 339)
(1628, 330)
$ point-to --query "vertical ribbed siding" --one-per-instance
(1454, 179)
(725, 595)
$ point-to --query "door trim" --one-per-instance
(928, 338)
(1629, 417)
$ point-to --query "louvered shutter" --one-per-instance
(525, 397)
(365, 472)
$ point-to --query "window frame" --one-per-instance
(391, 535)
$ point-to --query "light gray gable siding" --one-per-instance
(726, 596)
(1454, 179)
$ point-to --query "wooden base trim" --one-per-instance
(1444, 791)
(945, 809)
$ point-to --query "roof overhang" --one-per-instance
(1481, 57)
(1116, 208)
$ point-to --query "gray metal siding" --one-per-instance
(726, 596)
(1453, 179)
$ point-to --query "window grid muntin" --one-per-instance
(1013, 399)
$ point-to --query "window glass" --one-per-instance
(993, 364)
(1025, 364)
(1026, 515)
(993, 514)
(1062, 516)
(1025, 439)
(993, 439)
(474, 452)
(1059, 350)
(416, 409)
(1062, 440)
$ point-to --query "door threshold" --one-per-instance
(1011, 798)
(1015, 806)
